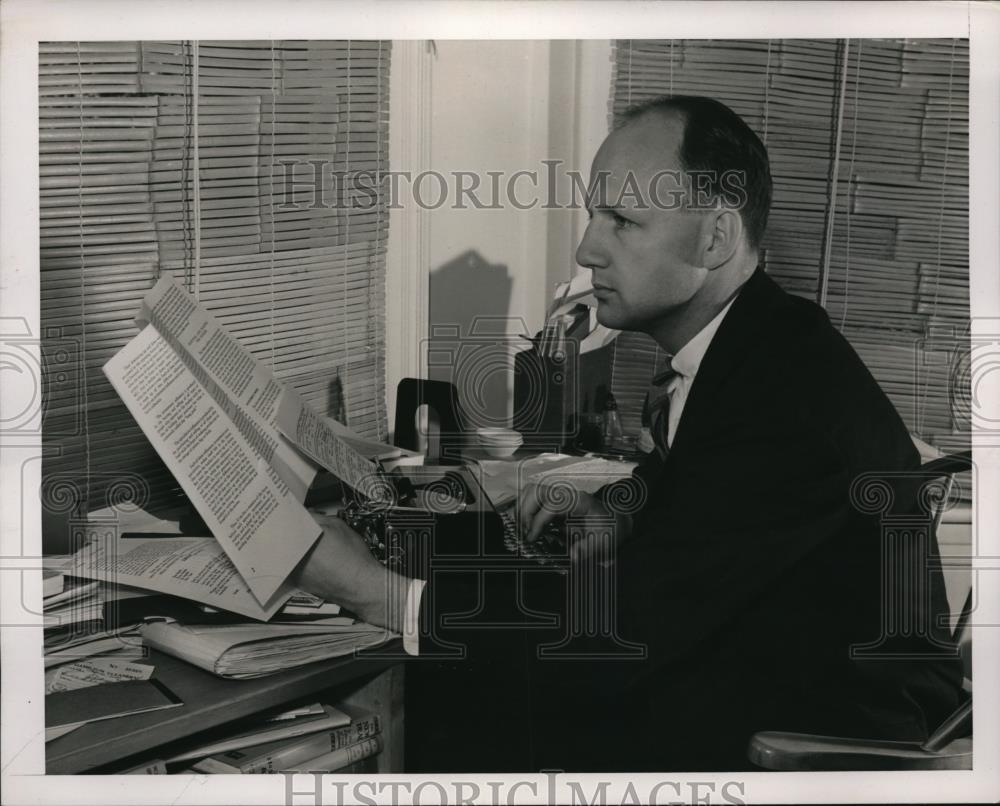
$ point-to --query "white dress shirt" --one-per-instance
(411, 617)
(685, 363)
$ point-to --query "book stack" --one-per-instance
(75, 616)
(314, 738)
(69, 602)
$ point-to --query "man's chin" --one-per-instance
(610, 318)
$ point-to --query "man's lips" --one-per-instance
(602, 290)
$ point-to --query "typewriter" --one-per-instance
(441, 511)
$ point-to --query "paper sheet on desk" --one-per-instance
(114, 642)
(586, 473)
(94, 672)
(191, 567)
(503, 479)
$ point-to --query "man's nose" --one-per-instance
(589, 253)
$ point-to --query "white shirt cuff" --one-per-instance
(411, 617)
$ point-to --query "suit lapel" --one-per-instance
(734, 342)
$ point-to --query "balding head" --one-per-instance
(718, 148)
(664, 260)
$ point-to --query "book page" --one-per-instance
(368, 448)
(247, 391)
(317, 438)
(240, 496)
(190, 567)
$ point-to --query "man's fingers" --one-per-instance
(537, 524)
(528, 504)
(537, 507)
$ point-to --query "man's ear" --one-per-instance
(723, 236)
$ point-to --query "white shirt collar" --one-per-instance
(688, 359)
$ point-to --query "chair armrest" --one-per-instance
(778, 750)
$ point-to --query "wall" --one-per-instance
(497, 106)
(487, 280)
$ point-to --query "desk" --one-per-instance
(371, 682)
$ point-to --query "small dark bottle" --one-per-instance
(611, 432)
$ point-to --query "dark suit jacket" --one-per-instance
(749, 576)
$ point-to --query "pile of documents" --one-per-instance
(115, 643)
(309, 738)
(252, 650)
(72, 603)
(245, 449)
(74, 625)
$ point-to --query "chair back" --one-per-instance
(947, 467)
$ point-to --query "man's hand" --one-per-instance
(536, 508)
(341, 569)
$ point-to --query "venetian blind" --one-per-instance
(252, 171)
(868, 141)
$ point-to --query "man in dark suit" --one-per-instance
(748, 575)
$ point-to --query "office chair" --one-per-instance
(948, 748)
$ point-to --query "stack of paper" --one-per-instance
(301, 722)
(191, 567)
(77, 602)
(121, 642)
(252, 650)
(243, 447)
(324, 749)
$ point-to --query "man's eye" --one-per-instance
(620, 221)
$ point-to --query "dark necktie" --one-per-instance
(659, 409)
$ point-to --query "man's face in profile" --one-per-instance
(641, 244)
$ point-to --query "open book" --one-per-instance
(241, 445)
